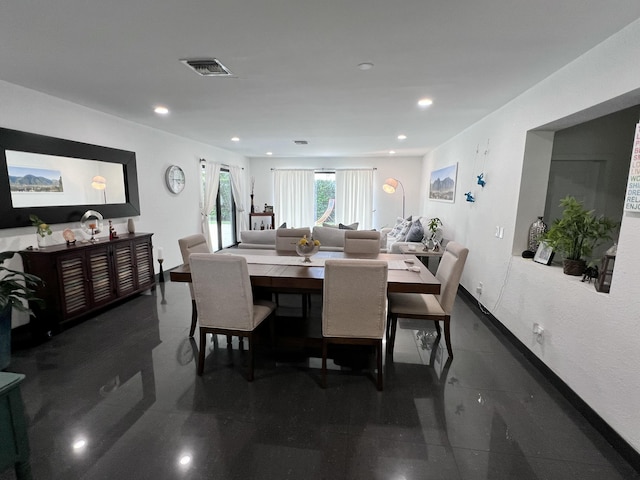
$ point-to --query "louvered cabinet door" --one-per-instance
(143, 263)
(125, 269)
(101, 282)
(74, 284)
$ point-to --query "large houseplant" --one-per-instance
(577, 233)
(16, 288)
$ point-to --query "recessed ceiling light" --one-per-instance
(160, 110)
(235, 139)
(402, 137)
(365, 66)
(392, 152)
(269, 153)
(425, 102)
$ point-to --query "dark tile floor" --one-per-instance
(117, 397)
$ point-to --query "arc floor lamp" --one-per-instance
(391, 185)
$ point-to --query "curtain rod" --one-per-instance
(320, 169)
(204, 161)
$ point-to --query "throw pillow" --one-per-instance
(330, 225)
(402, 235)
(415, 233)
(284, 225)
(397, 227)
(353, 226)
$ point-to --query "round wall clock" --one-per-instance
(174, 176)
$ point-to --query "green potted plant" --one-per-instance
(16, 288)
(576, 234)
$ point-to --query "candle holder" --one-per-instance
(161, 273)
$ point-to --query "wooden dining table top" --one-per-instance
(292, 274)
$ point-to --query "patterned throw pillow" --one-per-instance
(415, 233)
(400, 224)
(402, 235)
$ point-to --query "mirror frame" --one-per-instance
(34, 143)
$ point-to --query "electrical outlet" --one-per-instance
(479, 288)
(538, 331)
(497, 232)
(501, 233)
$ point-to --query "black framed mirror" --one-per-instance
(58, 180)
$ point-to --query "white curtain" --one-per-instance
(354, 197)
(212, 180)
(237, 190)
(294, 197)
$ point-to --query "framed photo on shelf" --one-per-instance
(268, 209)
(544, 254)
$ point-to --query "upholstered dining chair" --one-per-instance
(431, 307)
(193, 244)
(354, 307)
(362, 241)
(225, 301)
(286, 240)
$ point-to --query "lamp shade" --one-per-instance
(98, 182)
(390, 185)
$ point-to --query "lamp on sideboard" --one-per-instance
(100, 183)
(391, 185)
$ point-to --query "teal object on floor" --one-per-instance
(5, 337)
(14, 443)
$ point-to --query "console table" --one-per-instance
(81, 278)
(268, 220)
(14, 442)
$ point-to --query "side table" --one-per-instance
(14, 443)
(422, 254)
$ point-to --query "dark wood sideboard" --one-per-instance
(81, 278)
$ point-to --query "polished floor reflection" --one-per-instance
(117, 397)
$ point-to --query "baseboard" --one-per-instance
(619, 444)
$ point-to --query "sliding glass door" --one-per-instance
(222, 218)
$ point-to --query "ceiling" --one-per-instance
(295, 64)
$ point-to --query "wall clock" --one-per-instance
(174, 176)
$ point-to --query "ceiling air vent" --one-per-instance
(209, 67)
(301, 142)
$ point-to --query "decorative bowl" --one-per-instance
(307, 251)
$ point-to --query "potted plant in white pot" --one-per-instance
(576, 234)
(16, 288)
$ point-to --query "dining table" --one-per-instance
(285, 271)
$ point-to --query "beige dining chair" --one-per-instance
(431, 307)
(354, 307)
(225, 302)
(286, 240)
(196, 243)
(362, 241)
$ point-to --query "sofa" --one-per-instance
(330, 238)
(409, 232)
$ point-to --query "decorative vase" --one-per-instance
(131, 227)
(253, 208)
(42, 241)
(573, 267)
(536, 229)
(307, 251)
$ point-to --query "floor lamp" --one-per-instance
(100, 183)
(390, 186)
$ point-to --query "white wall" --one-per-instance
(168, 216)
(592, 339)
(387, 207)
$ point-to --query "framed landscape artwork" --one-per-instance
(442, 184)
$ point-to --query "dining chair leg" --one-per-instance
(447, 336)
(203, 347)
(194, 318)
(324, 363)
(379, 351)
(250, 342)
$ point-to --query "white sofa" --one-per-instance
(330, 238)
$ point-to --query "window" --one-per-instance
(325, 195)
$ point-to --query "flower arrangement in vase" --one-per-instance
(42, 229)
(307, 248)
